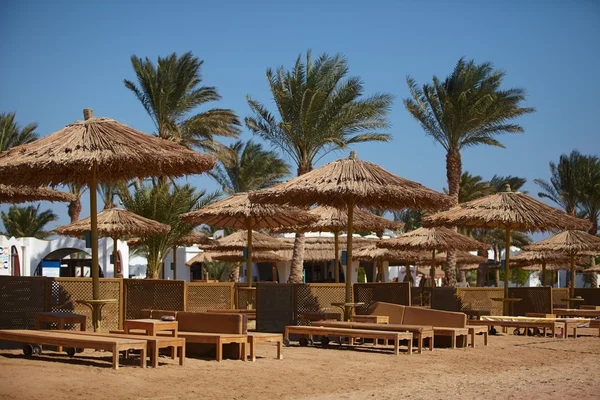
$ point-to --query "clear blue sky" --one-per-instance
(60, 57)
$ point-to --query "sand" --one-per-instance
(510, 367)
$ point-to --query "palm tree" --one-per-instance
(467, 109)
(410, 218)
(170, 91)
(74, 207)
(564, 188)
(164, 203)
(589, 199)
(108, 192)
(472, 187)
(320, 110)
(27, 221)
(11, 133)
(243, 167)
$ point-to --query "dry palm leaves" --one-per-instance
(568, 242)
(22, 194)
(192, 239)
(116, 223)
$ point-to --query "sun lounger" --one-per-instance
(155, 343)
(352, 334)
(526, 323)
(419, 332)
(74, 341)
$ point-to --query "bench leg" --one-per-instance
(154, 356)
(473, 338)
(219, 350)
(431, 343)
(143, 357)
(554, 332)
(181, 355)
(453, 340)
(485, 338)
(575, 332)
(252, 348)
(397, 345)
(420, 343)
(115, 360)
(60, 326)
(286, 334)
(410, 342)
(244, 351)
(279, 350)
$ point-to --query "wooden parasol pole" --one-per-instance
(572, 283)
(115, 254)
(174, 262)
(94, 223)
(506, 270)
(543, 272)
(433, 268)
(336, 247)
(349, 257)
(249, 225)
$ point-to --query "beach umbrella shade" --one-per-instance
(571, 243)
(335, 220)
(190, 239)
(539, 260)
(239, 212)
(98, 150)
(23, 194)
(239, 241)
(508, 210)
(349, 183)
(115, 223)
(432, 239)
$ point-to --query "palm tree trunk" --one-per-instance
(481, 270)
(297, 259)
(299, 241)
(453, 172)
(74, 209)
(594, 231)
(154, 264)
(462, 275)
(234, 276)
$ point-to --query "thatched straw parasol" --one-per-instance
(239, 212)
(93, 151)
(331, 219)
(570, 243)
(239, 241)
(541, 259)
(512, 211)
(23, 194)
(348, 183)
(432, 239)
(115, 223)
(190, 239)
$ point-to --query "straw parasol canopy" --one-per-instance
(239, 240)
(541, 259)
(570, 243)
(259, 256)
(511, 211)
(23, 194)
(115, 223)
(432, 239)
(239, 212)
(331, 219)
(94, 151)
(348, 183)
(190, 239)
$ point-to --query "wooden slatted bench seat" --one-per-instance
(218, 339)
(552, 325)
(155, 343)
(73, 340)
(251, 313)
(353, 334)
(419, 332)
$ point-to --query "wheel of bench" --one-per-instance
(286, 342)
(324, 341)
(70, 351)
(492, 330)
(305, 342)
(516, 332)
(28, 349)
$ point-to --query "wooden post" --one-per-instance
(115, 257)
(349, 257)
(336, 247)
(94, 226)
(506, 270)
(174, 262)
(543, 272)
(572, 283)
(432, 269)
(249, 226)
(274, 271)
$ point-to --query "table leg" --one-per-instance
(60, 325)
(154, 360)
(143, 357)
(397, 345)
(431, 343)
(279, 350)
(410, 342)
(420, 343)
(575, 331)
(251, 340)
(244, 351)
(219, 350)
(473, 338)
(453, 340)
(181, 355)
(115, 360)
(485, 337)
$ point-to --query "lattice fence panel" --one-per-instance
(66, 291)
(480, 299)
(206, 296)
(445, 298)
(590, 295)
(274, 306)
(533, 299)
(368, 293)
(317, 297)
(153, 294)
(558, 297)
(20, 299)
(245, 297)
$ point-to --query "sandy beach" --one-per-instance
(510, 367)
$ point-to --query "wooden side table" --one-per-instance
(60, 319)
(260, 337)
(151, 326)
(374, 319)
(348, 308)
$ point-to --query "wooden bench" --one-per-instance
(261, 337)
(218, 339)
(419, 332)
(478, 329)
(374, 319)
(306, 318)
(352, 334)
(155, 343)
(76, 340)
(595, 323)
(552, 325)
(60, 319)
(250, 312)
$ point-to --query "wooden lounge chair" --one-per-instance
(74, 341)
(552, 325)
(353, 334)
